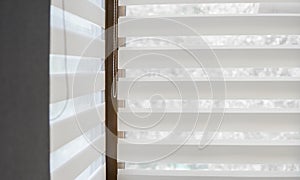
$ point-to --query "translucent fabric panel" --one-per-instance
(74, 23)
(66, 152)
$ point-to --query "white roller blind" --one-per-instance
(209, 90)
(77, 90)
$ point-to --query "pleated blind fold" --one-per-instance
(195, 106)
(77, 109)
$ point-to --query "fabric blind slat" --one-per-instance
(178, 88)
(203, 175)
(64, 130)
(72, 168)
(192, 57)
(146, 2)
(232, 122)
(76, 44)
(98, 174)
(79, 85)
(84, 9)
(262, 24)
(238, 153)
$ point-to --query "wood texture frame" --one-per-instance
(111, 103)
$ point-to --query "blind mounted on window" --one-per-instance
(161, 117)
(76, 90)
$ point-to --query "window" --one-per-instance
(211, 89)
(77, 106)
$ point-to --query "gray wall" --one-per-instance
(24, 89)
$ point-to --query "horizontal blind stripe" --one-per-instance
(192, 142)
(192, 109)
(99, 174)
(77, 44)
(84, 9)
(257, 154)
(192, 57)
(72, 168)
(144, 2)
(262, 24)
(65, 130)
(129, 174)
(203, 89)
(79, 84)
(280, 7)
(233, 122)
